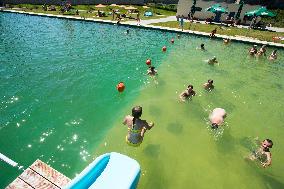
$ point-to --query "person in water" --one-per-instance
(226, 41)
(209, 85)
(202, 47)
(262, 51)
(263, 153)
(151, 71)
(136, 127)
(253, 50)
(273, 55)
(217, 117)
(187, 94)
(212, 61)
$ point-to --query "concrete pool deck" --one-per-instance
(147, 24)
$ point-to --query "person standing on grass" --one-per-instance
(138, 18)
(181, 21)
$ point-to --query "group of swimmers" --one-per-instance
(262, 51)
(137, 127)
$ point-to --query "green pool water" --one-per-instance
(59, 103)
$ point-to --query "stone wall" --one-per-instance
(184, 7)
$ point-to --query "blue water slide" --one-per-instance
(110, 170)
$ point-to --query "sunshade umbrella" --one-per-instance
(100, 6)
(216, 8)
(240, 9)
(267, 13)
(262, 11)
(113, 5)
(145, 7)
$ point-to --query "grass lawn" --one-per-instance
(90, 11)
(231, 31)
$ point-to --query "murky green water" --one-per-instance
(59, 103)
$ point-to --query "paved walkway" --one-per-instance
(173, 18)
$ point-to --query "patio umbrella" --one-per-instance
(113, 5)
(240, 9)
(262, 11)
(100, 6)
(267, 13)
(217, 8)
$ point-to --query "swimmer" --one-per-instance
(127, 31)
(151, 71)
(226, 41)
(202, 47)
(253, 50)
(273, 55)
(212, 61)
(136, 127)
(262, 51)
(209, 85)
(187, 94)
(262, 153)
(178, 36)
(217, 117)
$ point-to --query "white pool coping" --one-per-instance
(234, 38)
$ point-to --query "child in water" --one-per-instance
(187, 94)
(212, 61)
(151, 71)
(136, 127)
(273, 55)
(209, 85)
(262, 153)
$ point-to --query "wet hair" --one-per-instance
(214, 126)
(270, 142)
(137, 111)
(274, 51)
(210, 81)
(190, 86)
(152, 68)
(202, 45)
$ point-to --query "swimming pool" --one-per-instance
(59, 103)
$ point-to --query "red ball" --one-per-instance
(164, 49)
(120, 87)
(148, 62)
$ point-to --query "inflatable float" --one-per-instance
(110, 170)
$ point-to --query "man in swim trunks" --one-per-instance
(263, 154)
(136, 127)
(217, 117)
(187, 94)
